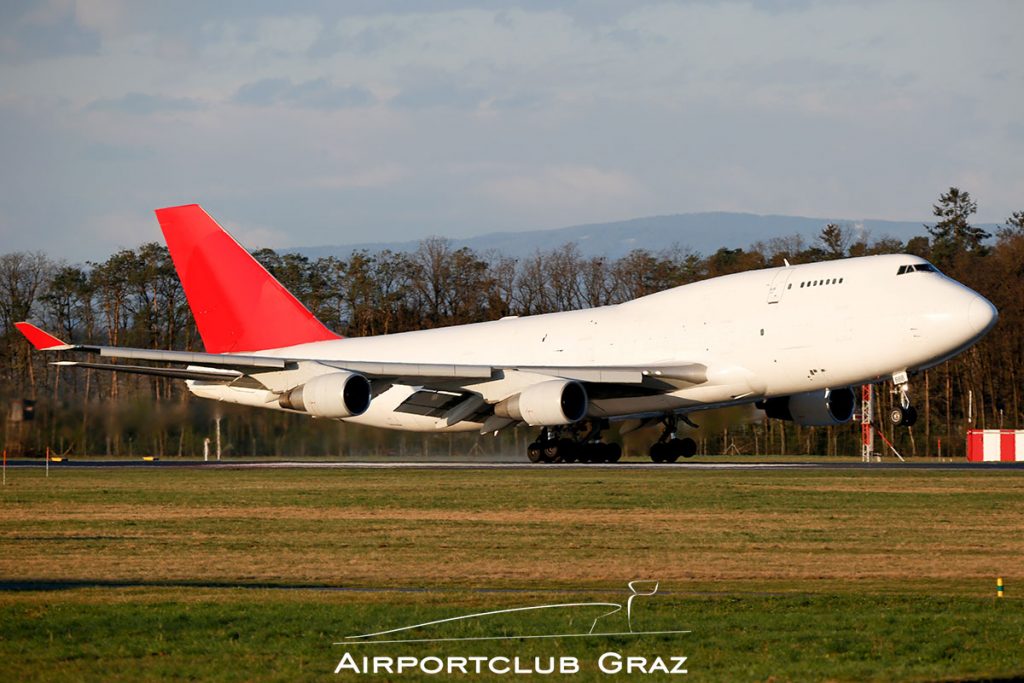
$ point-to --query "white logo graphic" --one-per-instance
(375, 637)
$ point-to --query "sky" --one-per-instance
(313, 123)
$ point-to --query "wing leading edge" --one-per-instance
(230, 366)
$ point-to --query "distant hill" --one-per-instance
(702, 232)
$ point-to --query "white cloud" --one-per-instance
(373, 120)
(109, 17)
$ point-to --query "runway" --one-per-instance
(509, 465)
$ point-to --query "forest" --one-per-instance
(134, 298)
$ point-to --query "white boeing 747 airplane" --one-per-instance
(794, 340)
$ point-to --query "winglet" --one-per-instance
(43, 341)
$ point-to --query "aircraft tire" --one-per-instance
(673, 449)
(687, 447)
(905, 417)
(533, 452)
(549, 451)
(659, 452)
(568, 451)
(612, 452)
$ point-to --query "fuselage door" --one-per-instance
(778, 285)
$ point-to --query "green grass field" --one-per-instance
(785, 575)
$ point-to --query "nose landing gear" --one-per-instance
(905, 414)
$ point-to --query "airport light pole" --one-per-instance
(217, 433)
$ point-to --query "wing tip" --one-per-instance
(40, 339)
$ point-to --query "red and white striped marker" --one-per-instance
(995, 445)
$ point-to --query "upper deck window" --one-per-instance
(826, 281)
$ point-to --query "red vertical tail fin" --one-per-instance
(237, 304)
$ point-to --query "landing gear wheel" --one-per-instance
(579, 443)
(905, 417)
(590, 452)
(661, 452)
(549, 451)
(687, 447)
(674, 450)
(568, 451)
(656, 451)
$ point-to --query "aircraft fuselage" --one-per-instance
(759, 334)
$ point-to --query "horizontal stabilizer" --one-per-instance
(206, 374)
(226, 360)
(43, 341)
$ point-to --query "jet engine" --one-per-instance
(339, 394)
(558, 402)
(813, 408)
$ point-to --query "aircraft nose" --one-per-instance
(981, 315)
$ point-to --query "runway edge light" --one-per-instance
(999, 587)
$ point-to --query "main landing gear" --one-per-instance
(669, 448)
(580, 442)
(904, 414)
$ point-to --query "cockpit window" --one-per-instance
(917, 268)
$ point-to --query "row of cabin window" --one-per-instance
(815, 283)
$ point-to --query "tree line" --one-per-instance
(134, 298)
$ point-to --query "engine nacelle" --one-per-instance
(558, 402)
(812, 409)
(339, 394)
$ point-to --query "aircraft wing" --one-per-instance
(229, 367)
(240, 363)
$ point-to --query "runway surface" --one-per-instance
(512, 465)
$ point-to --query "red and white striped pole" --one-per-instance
(867, 427)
